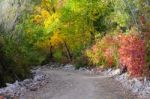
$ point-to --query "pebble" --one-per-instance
(69, 67)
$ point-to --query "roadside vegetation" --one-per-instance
(92, 33)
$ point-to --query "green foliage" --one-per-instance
(58, 55)
(10, 67)
(81, 61)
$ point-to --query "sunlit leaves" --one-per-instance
(40, 15)
(52, 21)
(56, 39)
(45, 13)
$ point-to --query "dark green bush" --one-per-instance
(81, 61)
(9, 69)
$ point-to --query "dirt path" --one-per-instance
(79, 85)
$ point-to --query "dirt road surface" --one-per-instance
(79, 85)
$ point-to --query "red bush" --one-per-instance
(132, 54)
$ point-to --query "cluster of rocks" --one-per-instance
(139, 86)
(51, 66)
(65, 67)
(16, 89)
(69, 67)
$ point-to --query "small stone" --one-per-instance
(109, 70)
(69, 67)
(82, 69)
(116, 72)
(147, 89)
(138, 83)
(33, 88)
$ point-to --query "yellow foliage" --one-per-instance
(41, 16)
(56, 39)
(45, 3)
(54, 18)
(45, 13)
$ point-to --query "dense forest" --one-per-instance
(91, 33)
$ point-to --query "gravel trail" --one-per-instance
(79, 85)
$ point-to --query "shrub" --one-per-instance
(10, 68)
(146, 34)
(81, 61)
(132, 53)
(104, 51)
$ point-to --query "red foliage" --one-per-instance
(109, 56)
(132, 54)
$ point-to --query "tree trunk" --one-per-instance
(68, 51)
(50, 52)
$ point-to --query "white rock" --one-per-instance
(109, 70)
(26, 81)
(147, 90)
(122, 78)
(116, 72)
(69, 67)
(23, 90)
(38, 78)
(138, 83)
(145, 79)
(82, 69)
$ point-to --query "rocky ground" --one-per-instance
(55, 81)
(18, 89)
(139, 86)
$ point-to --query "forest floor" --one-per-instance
(72, 84)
